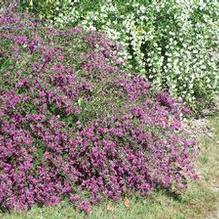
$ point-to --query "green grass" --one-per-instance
(200, 199)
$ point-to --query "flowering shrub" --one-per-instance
(46, 8)
(169, 42)
(73, 125)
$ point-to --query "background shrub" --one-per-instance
(169, 42)
(74, 126)
(46, 8)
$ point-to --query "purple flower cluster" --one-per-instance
(47, 153)
(137, 88)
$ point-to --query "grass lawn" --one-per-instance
(201, 198)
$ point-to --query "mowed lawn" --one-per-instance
(200, 200)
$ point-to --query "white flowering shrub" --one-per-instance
(168, 41)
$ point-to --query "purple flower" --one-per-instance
(85, 206)
(73, 125)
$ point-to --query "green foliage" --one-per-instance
(40, 150)
(45, 8)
